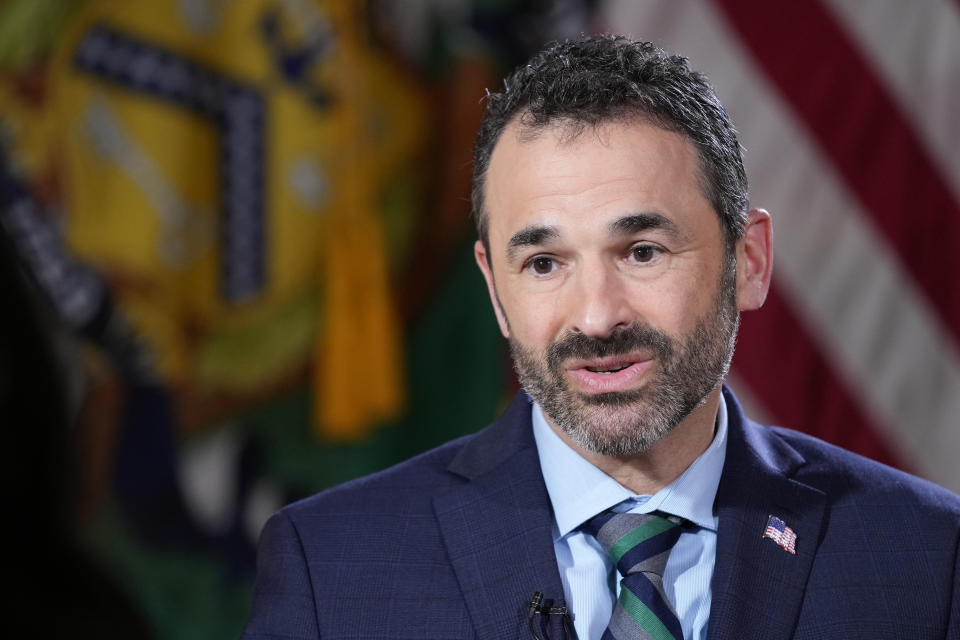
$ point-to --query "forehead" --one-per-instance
(561, 176)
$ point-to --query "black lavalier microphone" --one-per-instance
(535, 608)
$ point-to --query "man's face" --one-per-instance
(610, 279)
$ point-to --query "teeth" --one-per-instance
(608, 370)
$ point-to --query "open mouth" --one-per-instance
(610, 374)
(607, 369)
(607, 364)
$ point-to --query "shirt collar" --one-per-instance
(578, 490)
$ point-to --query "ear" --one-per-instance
(480, 255)
(754, 260)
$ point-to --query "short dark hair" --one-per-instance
(604, 78)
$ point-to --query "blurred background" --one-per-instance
(236, 259)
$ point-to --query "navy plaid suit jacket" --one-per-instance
(453, 544)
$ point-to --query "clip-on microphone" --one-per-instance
(535, 608)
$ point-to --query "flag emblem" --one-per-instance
(778, 531)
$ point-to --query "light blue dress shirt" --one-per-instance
(578, 491)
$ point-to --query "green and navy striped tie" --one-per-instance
(639, 545)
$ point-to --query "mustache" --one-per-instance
(620, 341)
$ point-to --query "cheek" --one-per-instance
(676, 305)
(535, 321)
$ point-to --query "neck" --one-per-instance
(648, 472)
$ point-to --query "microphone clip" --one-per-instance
(535, 608)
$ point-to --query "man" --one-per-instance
(618, 250)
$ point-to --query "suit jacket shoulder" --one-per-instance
(875, 554)
(450, 544)
(843, 473)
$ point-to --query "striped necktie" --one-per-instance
(639, 545)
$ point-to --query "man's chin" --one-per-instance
(618, 399)
(615, 443)
(615, 426)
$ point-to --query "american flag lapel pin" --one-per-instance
(778, 531)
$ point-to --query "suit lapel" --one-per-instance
(758, 585)
(497, 527)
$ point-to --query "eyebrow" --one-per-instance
(530, 236)
(644, 221)
(536, 235)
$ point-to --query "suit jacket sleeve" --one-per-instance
(283, 603)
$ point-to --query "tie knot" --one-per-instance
(635, 541)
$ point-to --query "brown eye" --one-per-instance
(542, 265)
(644, 253)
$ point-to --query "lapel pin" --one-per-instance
(778, 531)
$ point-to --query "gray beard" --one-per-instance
(686, 371)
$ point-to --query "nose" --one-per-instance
(600, 301)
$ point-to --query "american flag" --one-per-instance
(850, 116)
(780, 533)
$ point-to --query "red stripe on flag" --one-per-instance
(833, 89)
(777, 357)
